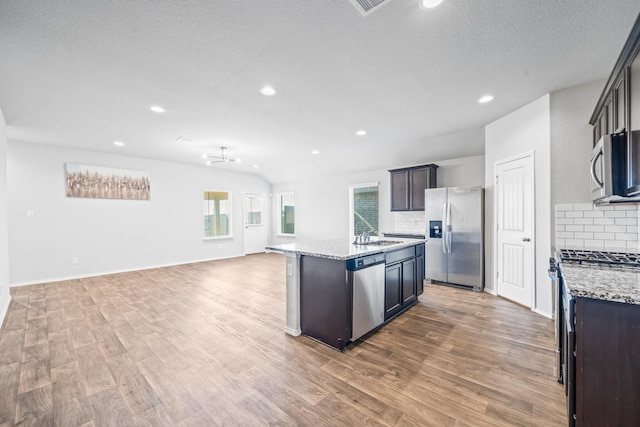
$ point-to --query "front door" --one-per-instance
(255, 235)
(515, 229)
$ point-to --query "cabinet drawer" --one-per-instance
(400, 254)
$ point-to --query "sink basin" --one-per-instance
(379, 243)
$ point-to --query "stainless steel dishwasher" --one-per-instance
(367, 276)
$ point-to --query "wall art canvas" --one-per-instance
(100, 182)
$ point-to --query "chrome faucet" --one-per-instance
(362, 238)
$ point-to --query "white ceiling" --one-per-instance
(84, 73)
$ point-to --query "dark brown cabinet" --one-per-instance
(408, 185)
(404, 273)
(603, 361)
(618, 108)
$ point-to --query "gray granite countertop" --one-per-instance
(617, 284)
(342, 249)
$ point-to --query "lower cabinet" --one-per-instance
(607, 366)
(404, 271)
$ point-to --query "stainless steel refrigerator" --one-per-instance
(454, 251)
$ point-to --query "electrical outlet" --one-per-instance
(74, 261)
(31, 214)
(289, 270)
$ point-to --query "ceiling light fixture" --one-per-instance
(268, 91)
(118, 143)
(485, 99)
(315, 152)
(361, 132)
(428, 4)
(157, 109)
(255, 166)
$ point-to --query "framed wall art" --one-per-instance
(99, 182)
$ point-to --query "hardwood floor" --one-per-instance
(203, 344)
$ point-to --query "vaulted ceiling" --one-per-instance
(85, 73)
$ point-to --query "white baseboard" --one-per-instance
(294, 332)
(542, 313)
(5, 300)
(491, 291)
(104, 273)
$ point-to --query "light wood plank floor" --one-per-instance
(202, 344)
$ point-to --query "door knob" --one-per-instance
(526, 239)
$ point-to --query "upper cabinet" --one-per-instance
(408, 185)
(618, 108)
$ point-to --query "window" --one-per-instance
(363, 207)
(217, 214)
(287, 211)
(253, 206)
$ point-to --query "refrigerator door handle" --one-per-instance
(444, 228)
(448, 228)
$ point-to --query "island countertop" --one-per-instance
(616, 284)
(341, 249)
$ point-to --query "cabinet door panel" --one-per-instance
(634, 127)
(392, 290)
(409, 281)
(420, 274)
(400, 191)
(418, 182)
(620, 107)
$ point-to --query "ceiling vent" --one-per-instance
(367, 6)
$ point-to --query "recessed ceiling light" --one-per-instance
(485, 99)
(268, 91)
(238, 160)
(361, 132)
(430, 3)
(255, 166)
(157, 109)
(118, 143)
(208, 162)
(204, 156)
(315, 152)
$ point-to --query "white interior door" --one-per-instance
(255, 234)
(515, 277)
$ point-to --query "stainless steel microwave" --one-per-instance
(609, 168)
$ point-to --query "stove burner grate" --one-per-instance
(600, 257)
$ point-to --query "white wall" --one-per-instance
(4, 230)
(112, 235)
(526, 129)
(572, 142)
(322, 206)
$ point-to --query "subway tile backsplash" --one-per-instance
(585, 226)
(408, 222)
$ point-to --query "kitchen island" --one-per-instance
(324, 286)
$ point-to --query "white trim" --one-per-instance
(279, 232)
(230, 213)
(4, 308)
(497, 163)
(128, 270)
(226, 236)
(351, 213)
(491, 291)
(542, 313)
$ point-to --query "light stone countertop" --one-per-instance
(342, 249)
(617, 284)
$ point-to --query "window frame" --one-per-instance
(279, 196)
(229, 213)
(352, 188)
